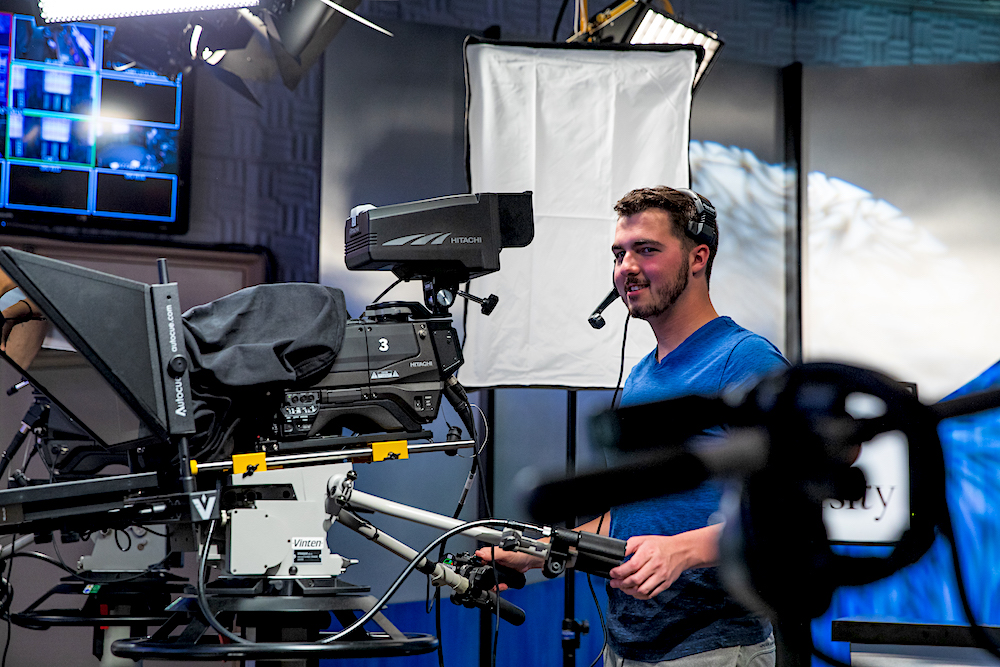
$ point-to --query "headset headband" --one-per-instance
(702, 228)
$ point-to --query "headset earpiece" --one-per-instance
(702, 228)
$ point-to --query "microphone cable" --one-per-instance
(621, 367)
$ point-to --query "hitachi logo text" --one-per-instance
(466, 239)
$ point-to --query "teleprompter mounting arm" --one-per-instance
(174, 365)
(37, 413)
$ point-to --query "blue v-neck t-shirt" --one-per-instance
(695, 614)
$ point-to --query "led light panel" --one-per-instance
(655, 28)
(59, 11)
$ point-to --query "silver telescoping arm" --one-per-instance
(366, 501)
(562, 549)
(468, 592)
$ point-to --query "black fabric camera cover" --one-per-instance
(269, 336)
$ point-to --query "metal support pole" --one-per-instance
(486, 620)
(571, 628)
(796, 207)
(792, 635)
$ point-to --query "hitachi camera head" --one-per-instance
(443, 241)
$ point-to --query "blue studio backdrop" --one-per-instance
(537, 642)
(926, 591)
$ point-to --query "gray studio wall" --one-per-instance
(255, 170)
(393, 132)
(848, 33)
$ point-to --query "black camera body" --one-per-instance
(387, 378)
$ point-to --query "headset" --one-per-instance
(702, 228)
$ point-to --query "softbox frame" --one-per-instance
(578, 125)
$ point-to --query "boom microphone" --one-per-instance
(595, 318)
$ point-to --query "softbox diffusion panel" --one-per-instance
(579, 126)
(108, 364)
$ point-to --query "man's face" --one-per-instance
(651, 265)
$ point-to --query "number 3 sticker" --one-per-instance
(383, 345)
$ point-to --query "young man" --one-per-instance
(666, 604)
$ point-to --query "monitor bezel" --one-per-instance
(21, 221)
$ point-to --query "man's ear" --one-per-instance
(698, 258)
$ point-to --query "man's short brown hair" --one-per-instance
(679, 205)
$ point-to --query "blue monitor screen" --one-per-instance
(85, 140)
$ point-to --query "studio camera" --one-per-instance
(240, 415)
(396, 359)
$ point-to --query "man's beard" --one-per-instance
(665, 295)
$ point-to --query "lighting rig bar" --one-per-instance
(62, 11)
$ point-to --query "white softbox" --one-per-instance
(579, 127)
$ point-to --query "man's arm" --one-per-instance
(603, 522)
(22, 311)
(6, 283)
(523, 562)
(25, 344)
(658, 560)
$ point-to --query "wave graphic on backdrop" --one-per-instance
(880, 290)
(748, 277)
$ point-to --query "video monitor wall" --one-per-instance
(86, 140)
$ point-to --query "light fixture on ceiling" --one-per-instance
(64, 11)
(251, 40)
(638, 22)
